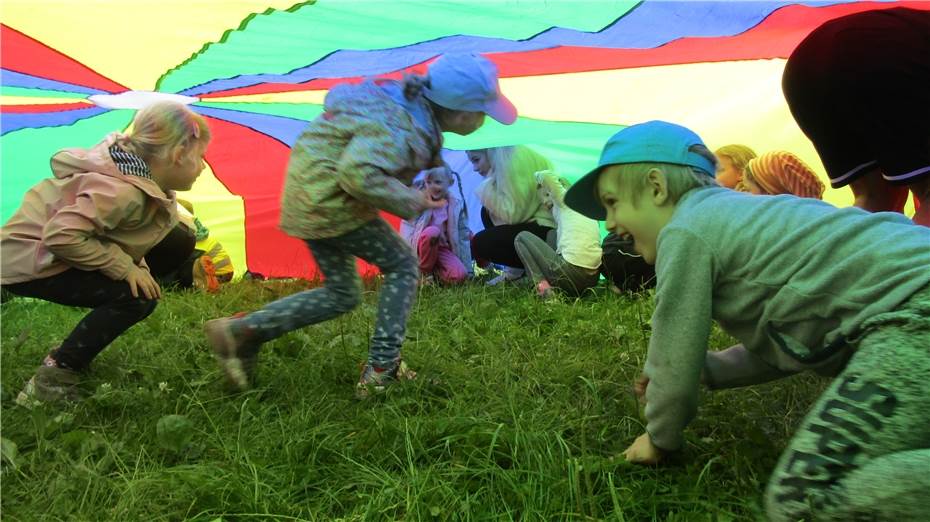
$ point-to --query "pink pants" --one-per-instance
(437, 258)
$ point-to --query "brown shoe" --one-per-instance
(235, 353)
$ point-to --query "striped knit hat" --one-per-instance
(781, 172)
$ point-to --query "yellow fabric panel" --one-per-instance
(133, 42)
(222, 213)
(728, 102)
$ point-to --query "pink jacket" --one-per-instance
(90, 216)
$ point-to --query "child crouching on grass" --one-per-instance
(440, 236)
(80, 237)
(572, 266)
(802, 285)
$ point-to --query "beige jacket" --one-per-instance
(90, 216)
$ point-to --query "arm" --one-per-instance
(76, 233)
(681, 326)
(465, 240)
(367, 170)
(736, 366)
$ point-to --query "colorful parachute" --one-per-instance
(259, 69)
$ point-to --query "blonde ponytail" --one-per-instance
(160, 127)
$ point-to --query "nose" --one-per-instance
(610, 223)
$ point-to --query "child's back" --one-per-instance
(778, 269)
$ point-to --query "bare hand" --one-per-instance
(429, 202)
(141, 281)
(643, 451)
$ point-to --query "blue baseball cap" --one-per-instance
(650, 142)
(468, 82)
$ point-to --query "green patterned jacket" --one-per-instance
(357, 158)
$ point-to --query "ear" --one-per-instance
(177, 152)
(657, 186)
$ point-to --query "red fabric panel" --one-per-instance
(252, 165)
(774, 37)
(23, 54)
(49, 107)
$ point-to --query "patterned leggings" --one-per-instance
(863, 451)
(114, 311)
(375, 242)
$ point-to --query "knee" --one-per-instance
(430, 232)
(139, 307)
(345, 299)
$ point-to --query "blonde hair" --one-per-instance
(738, 154)
(632, 178)
(516, 158)
(161, 126)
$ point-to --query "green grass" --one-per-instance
(520, 412)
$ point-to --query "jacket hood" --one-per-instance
(68, 162)
(383, 100)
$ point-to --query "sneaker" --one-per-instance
(51, 383)
(374, 379)
(234, 352)
(507, 274)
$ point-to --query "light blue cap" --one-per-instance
(650, 142)
(468, 82)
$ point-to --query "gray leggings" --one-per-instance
(541, 262)
(375, 242)
(863, 451)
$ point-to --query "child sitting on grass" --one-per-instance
(440, 236)
(781, 172)
(802, 285)
(572, 267)
(80, 238)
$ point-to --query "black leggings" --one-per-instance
(114, 311)
(171, 261)
(495, 243)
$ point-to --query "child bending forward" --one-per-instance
(356, 159)
(572, 266)
(803, 286)
(440, 236)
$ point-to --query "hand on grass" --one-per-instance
(141, 282)
(643, 451)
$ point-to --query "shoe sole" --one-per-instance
(223, 344)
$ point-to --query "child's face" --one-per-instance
(462, 122)
(187, 168)
(640, 222)
(437, 187)
(750, 183)
(479, 160)
(727, 173)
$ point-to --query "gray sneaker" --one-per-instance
(50, 384)
(377, 379)
(236, 355)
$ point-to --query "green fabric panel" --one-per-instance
(304, 35)
(7, 90)
(26, 152)
(297, 111)
(573, 147)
